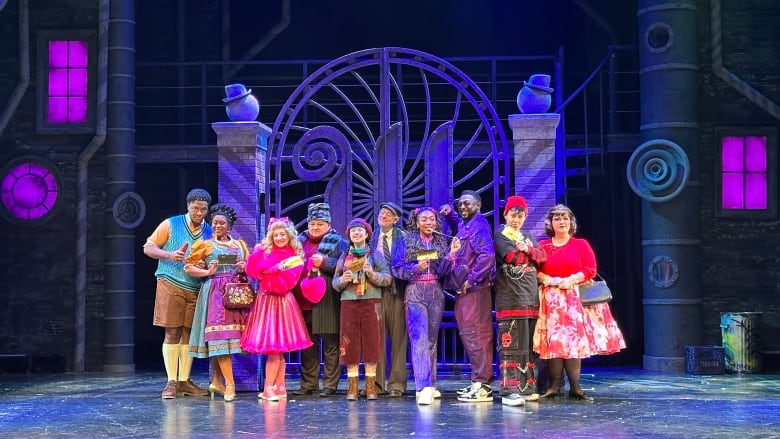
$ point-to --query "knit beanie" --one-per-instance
(359, 222)
(515, 201)
(319, 212)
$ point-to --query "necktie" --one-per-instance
(386, 248)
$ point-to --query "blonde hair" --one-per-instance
(292, 235)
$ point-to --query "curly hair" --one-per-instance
(559, 209)
(224, 210)
(292, 235)
(413, 238)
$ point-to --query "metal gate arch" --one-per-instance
(384, 124)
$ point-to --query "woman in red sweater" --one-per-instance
(567, 331)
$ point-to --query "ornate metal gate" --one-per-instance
(386, 124)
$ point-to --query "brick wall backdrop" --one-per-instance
(740, 257)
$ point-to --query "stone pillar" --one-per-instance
(534, 160)
(242, 167)
(241, 149)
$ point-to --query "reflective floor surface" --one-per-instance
(630, 403)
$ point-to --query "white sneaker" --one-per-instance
(436, 393)
(513, 400)
(426, 396)
(479, 393)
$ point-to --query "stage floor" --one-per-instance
(629, 403)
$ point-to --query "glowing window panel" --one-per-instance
(744, 173)
(28, 191)
(68, 82)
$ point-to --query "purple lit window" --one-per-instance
(29, 190)
(68, 82)
(744, 173)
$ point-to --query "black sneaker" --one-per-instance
(479, 393)
(466, 389)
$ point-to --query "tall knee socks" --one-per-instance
(171, 354)
(185, 362)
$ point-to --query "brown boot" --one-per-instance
(352, 390)
(190, 388)
(371, 388)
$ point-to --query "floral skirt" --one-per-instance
(275, 325)
(566, 329)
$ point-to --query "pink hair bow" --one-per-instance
(284, 220)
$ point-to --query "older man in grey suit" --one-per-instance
(384, 239)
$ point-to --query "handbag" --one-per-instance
(313, 287)
(595, 291)
(238, 293)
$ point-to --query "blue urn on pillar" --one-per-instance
(535, 96)
(240, 105)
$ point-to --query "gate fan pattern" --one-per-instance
(386, 124)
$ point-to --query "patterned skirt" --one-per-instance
(215, 329)
(603, 332)
(275, 326)
(566, 329)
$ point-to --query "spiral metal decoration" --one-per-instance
(129, 210)
(658, 170)
(316, 154)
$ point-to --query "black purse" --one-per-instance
(595, 291)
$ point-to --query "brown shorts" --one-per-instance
(360, 331)
(174, 307)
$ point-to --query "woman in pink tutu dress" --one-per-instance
(275, 324)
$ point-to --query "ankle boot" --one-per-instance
(352, 390)
(371, 388)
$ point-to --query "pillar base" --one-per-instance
(663, 364)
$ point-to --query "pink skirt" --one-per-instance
(560, 329)
(566, 329)
(602, 329)
(275, 325)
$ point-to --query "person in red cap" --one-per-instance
(518, 256)
(360, 276)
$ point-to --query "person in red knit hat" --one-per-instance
(518, 257)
